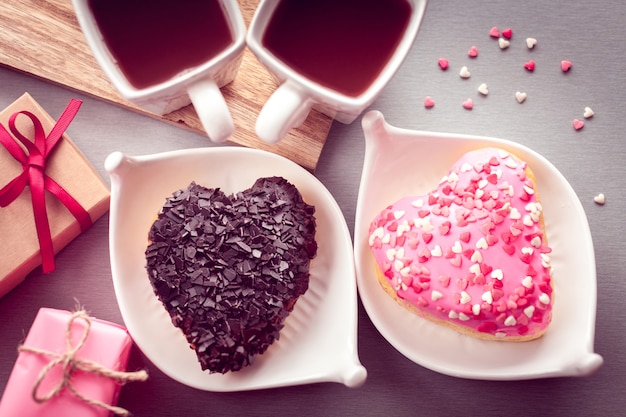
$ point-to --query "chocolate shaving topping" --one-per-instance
(229, 269)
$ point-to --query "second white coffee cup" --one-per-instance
(335, 56)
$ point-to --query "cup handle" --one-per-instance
(212, 109)
(287, 108)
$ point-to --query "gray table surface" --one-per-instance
(589, 34)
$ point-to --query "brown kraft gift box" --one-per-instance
(66, 164)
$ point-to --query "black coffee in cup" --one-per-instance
(340, 44)
(154, 40)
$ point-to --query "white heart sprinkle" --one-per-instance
(464, 73)
(510, 321)
(482, 89)
(520, 97)
(436, 295)
(418, 203)
(588, 113)
(531, 42)
(536, 242)
(503, 43)
(497, 274)
(527, 282)
(466, 298)
(528, 221)
(463, 317)
(475, 268)
(476, 309)
(599, 199)
(487, 297)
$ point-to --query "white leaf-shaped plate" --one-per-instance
(400, 162)
(318, 342)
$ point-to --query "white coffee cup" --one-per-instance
(298, 93)
(199, 85)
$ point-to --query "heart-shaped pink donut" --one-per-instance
(471, 254)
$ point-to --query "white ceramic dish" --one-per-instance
(400, 162)
(318, 342)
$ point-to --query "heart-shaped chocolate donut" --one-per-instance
(229, 269)
(471, 254)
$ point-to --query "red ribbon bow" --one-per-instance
(34, 175)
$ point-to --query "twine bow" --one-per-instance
(33, 174)
(71, 363)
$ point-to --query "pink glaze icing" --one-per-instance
(472, 251)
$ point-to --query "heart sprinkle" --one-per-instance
(503, 43)
(566, 66)
(520, 97)
(429, 102)
(494, 32)
(507, 33)
(578, 124)
(531, 42)
(464, 73)
(588, 113)
(443, 63)
(468, 104)
(229, 269)
(482, 89)
(600, 199)
(530, 65)
(473, 52)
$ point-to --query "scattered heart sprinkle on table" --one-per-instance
(483, 89)
(530, 65)
(507, 33)
(520, 96)
(464, 73)
(566, 66)
(578, 124)
(468, 104)
(588, 113)
(494, 32)
(531, 42)
(443, 63)
(600, 199)
(503, 43)
(429, 103)
(473, 52)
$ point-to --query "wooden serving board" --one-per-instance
(43, 39)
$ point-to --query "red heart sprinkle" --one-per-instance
(494, 32)
(473, 52)
(578, 124)
(443, 63)
(507, 33)
(566, 66)
(468, 104)
(530, 65)
(429, 102)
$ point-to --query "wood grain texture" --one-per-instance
(42, 38)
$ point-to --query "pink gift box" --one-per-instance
(107, 344)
